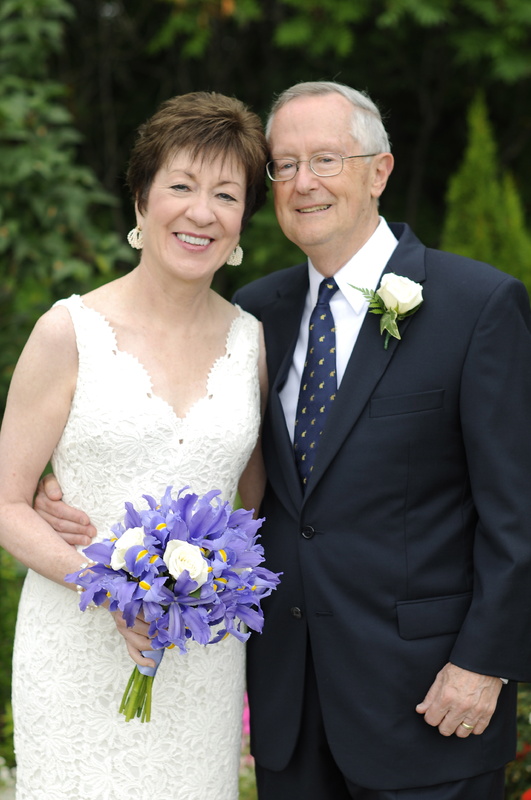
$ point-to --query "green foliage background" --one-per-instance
(452, 78)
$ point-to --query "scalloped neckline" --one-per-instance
(148, 379)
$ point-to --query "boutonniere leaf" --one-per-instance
(395, 299)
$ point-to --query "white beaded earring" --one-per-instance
(236, 257)
(136, 238)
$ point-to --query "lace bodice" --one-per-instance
(70, 668)
(117, 423)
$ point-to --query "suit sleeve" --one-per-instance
(495, 638)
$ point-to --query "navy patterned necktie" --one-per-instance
(318, 382)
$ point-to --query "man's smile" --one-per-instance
(311, 209)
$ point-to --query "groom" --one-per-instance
(398, 504)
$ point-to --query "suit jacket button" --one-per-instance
(307, 532)
(296, 612)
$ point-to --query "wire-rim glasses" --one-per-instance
(324, 165)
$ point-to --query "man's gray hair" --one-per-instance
(367, 125)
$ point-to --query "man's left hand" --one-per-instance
(460, 701)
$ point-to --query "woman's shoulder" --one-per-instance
(51, 349)
(55, 326)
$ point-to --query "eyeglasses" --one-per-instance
(324, 165)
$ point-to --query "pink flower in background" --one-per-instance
(246, 760)
(246, 720)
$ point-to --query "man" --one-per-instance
(398, 508)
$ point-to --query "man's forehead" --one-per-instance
(335, 142)
(308, 122)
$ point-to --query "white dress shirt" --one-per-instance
(348, 308)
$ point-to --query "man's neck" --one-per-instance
(328, 259)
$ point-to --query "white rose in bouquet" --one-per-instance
(180, 555)
(130, 538)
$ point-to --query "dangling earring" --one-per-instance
(135, 238)
(236, 257)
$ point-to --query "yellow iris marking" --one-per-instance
(153, 559)
(160, 526)
(209, 569)
(141, 554)
(145, 585)
(223, 555)
(222, 580)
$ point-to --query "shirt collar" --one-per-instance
(362, 270)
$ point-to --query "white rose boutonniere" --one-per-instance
(396, 298)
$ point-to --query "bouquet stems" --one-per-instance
(136, 699)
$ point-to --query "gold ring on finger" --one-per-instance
(468, 727)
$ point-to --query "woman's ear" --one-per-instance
(139, 216)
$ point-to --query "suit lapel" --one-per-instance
(369, 359)
(281, 325)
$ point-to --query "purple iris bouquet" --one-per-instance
(191, 566)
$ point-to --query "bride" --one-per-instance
(151, 380)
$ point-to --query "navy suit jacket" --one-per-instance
(412, 544)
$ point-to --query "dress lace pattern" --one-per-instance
(70, 668)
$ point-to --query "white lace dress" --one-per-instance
(70, 668)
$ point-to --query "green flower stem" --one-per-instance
(126, 692)
(146, 711)
(136, 700)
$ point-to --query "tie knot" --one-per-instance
(327, 288)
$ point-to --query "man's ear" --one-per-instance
(381, 167)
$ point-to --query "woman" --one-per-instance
(150, 380)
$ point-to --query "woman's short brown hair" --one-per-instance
(209, 125)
